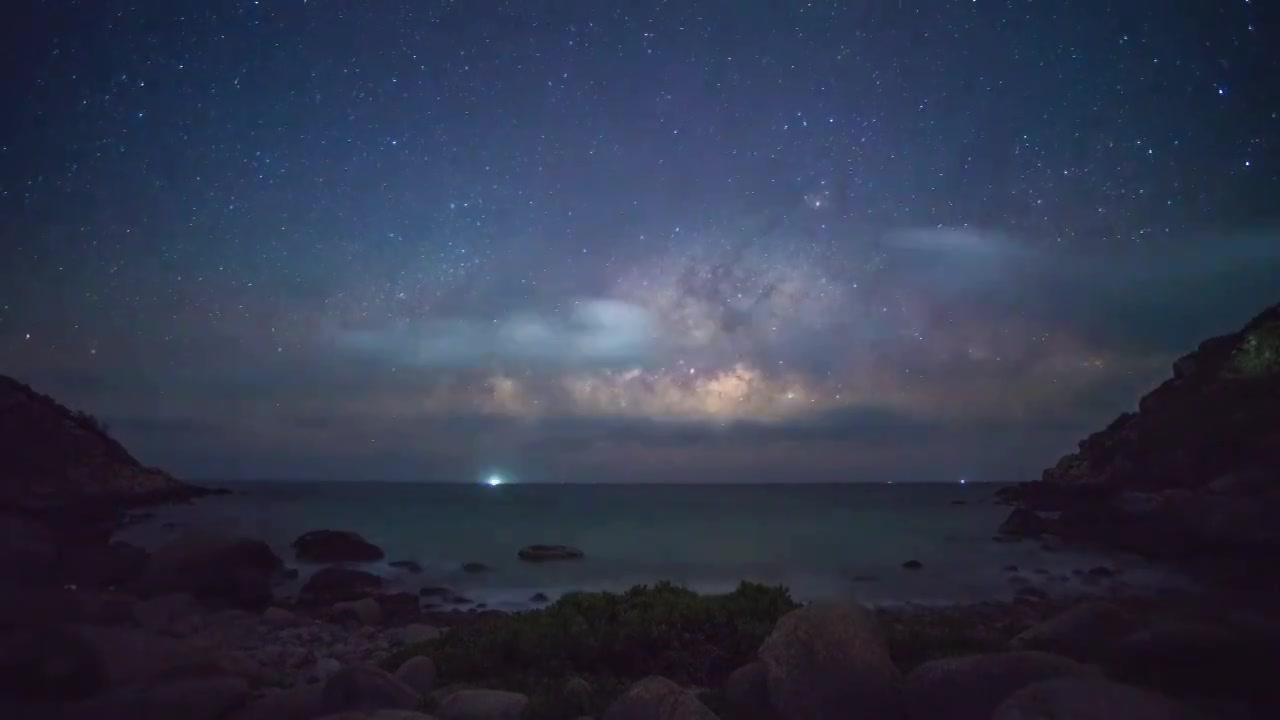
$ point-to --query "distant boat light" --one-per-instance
(494, 480)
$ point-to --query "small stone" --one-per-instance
(913, 565)
(475, 567)
(539, 597)
(409, 566)
(482, 705)
(326, 668)
(1011, 568)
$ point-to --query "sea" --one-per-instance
(820, 541)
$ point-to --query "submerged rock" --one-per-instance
(334, 546)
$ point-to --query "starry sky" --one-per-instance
(611, 241)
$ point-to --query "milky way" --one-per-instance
(629, 241)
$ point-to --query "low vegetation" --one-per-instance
(609, 640)
(1259, 353)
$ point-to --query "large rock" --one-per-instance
(207, 698)
(1087, 631)
(1082, 698)
(28, 550)
(55, 458)
(970, 687)
(419, 673)
(335, 546)
(830, 660)
(302, 702)
(365, 611)
(746, 691)
(1192, 658)
(657, 698)
(1024, 523)
(340, 584)
(361, 687)
(547, 553)
(214, 567)
(482, 705)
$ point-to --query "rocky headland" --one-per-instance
(199, 627)
(1192, 477)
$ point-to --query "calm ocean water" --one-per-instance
(822, 541)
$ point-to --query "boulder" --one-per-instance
(302, 702)
(475, 567)
(418, 673)
(379, 715)
(280, 618)
(1191, 658)
(55, 663)
(415, 634)
(176, 614)
(335, 546)
(970, 687)
(361, 687)
(1085, 698)
(213, 567)
(746, 691)
(365, 611)
(399, 608)
(1087, 631)
(206, 698)
(409, 566)
(339, 584)
(830, 660)
(547, 553)
(657, 698)
(482, 705)
(577, 696)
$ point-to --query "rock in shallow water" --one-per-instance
(332, 546)
(338, 584)
(546, 553)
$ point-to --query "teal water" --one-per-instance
(822, 541)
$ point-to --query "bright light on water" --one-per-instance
(494, 480)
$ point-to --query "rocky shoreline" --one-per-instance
(195, 630)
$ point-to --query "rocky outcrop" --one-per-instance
(1194, 473)
(970, 687)
(54, 458)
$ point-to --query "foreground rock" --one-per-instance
(482, 705)
(830, 660)
(1087, 631)
(970, 687)
(335, 546)
(362, 687)
(547, 553)
(1079, 698)
(238, 572)
(657, 698)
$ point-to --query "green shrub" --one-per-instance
(1259, 354)
(610, 640)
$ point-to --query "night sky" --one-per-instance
(623, 241)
